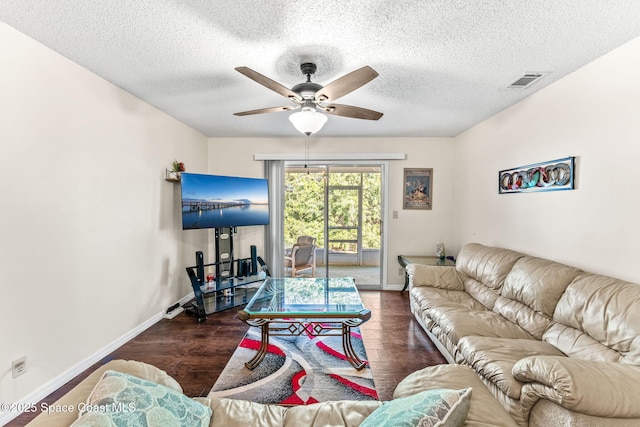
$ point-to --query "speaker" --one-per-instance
(200, 266)
(254, 260)
(242, 268)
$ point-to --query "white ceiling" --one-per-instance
(444, 65)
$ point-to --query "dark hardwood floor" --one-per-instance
(196, 353)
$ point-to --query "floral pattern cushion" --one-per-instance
(121, 400)
(431, 408)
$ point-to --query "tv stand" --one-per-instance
(234, 282)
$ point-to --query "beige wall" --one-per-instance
(91, 245)
(593, 114)
(414, 231)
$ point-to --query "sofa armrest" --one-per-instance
(435, 276)
(604, 389)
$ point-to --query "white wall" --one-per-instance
(414, 232)
(593, 114)
(91, 245)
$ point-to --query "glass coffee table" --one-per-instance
(311, 306)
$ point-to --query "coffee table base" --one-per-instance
(293, 328)
(262, 351)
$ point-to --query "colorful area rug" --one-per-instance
(298, 370)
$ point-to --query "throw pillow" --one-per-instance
(431, 408)
(121, 399)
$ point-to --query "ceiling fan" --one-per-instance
(311, 97)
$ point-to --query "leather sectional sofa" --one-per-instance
(555, 345)
(483, 410)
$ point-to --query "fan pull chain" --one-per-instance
(306, 154)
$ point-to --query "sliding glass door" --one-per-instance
(340, 205)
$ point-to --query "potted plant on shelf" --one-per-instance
(176, 169)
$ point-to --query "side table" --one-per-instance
(405, 260)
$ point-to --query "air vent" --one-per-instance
(526, 80)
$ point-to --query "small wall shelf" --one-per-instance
(171, 176)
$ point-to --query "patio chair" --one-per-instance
(302, 241)
(301, 258)
(306, 240)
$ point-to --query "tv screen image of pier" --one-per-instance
(213, 201)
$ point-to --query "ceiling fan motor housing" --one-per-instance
(308, 68)
(308, 89)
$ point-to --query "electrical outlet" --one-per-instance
(173, 313)
(400, 271)
(19, 367)
(394, 214)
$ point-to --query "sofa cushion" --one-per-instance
(123, 399)
(575, 343)
(481, 293)
(240, 413)
(427, 298)
(430, 408)
(605, 309)
(494, 358)
(538, 283)
(529, 320)
(485, 265)
(457, 323)
(531, 292)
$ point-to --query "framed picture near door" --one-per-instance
(418, 188)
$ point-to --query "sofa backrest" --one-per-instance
(484, 269)
(598, 318)
(531, 292)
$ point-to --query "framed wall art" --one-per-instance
(418, 188)
(546, 176)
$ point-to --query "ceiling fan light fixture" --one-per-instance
(308, 121)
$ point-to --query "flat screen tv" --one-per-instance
(214, 201)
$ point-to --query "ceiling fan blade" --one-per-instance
(351, 111)
(268, 83)
(267, 110)
(346, 84)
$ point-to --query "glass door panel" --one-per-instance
(344, 216)
(304, 204)
(341, 206)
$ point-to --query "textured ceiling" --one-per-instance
(444, 65)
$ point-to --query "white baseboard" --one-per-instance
(65, 377)
(391, 287)
(386, 287)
